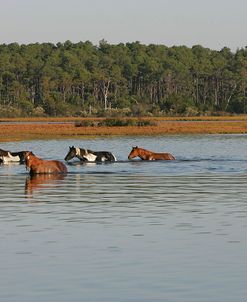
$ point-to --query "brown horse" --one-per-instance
(40, 166)
(149, 155)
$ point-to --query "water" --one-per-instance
(131, 230)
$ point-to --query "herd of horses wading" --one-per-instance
(36, 165)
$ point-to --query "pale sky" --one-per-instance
(210, 23)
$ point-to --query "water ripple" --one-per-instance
(127, 231)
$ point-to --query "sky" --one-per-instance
(211, 23)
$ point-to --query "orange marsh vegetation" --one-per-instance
(57, 128)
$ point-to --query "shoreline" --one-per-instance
(241, 117)
(58, 128)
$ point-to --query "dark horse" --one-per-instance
(149, 155)
(89, 155)
(7, 156)
(37, 165)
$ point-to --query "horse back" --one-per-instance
(40, 166)
(104, 156)
(161, 156)
(109, 156)
(168, 156)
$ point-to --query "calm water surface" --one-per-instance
(130, 230)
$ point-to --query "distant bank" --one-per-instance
(79, 128)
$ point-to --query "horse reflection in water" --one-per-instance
(86, 155)
(149, 155)
(42, 181)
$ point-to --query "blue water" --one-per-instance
(130, 230)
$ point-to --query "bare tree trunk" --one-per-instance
(105, 90)
(230, 96)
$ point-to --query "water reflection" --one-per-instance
(131, 230)
(42, 181)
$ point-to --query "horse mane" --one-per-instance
(145, 150)
(76, 150)
(31, 153)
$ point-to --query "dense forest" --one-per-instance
(132, 79)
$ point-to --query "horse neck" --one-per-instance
(87, 151)
(78, 152)
(33, 160)
(143, 153)
(4, 153)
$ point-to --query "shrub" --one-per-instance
(111, 122)
(86, 123)
(9, 111)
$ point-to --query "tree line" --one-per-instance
(132, 79)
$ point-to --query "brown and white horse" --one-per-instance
(149, 155)
(37, 165)
(7, 156)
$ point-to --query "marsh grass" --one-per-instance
(29, 129)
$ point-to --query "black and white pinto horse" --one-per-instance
(89, 155)
(7, 156)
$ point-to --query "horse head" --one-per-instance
(133, 152)
(71, 154)
(28, 155)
